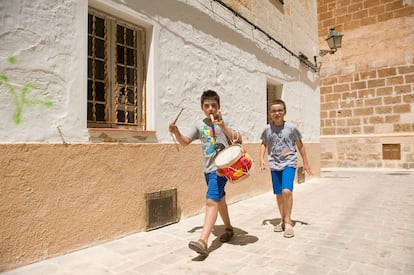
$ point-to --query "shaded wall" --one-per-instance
(54, 202)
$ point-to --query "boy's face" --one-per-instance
(277, 113)
(210, 106)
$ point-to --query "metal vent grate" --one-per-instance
(161, 208)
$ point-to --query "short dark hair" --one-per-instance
(278, 101)
(210, 94)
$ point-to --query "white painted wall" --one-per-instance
(193, 46)
(49, 42)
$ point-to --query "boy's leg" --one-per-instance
(228, 228)
(212, 210)
(215, 194)
(209, 219)
(287, 207)
(201, 246)
(224, 213)
(287, 200)
(277, 190)
(279, 201)
(288, 177)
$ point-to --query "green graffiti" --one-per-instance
(11, 59)
(20, 98)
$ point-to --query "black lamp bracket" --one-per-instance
(325, 52)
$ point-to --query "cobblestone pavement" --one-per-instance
(346, 222)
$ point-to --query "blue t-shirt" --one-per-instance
(281, 145)
(211, 136)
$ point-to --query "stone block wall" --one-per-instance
(371, 102)
(350, 15)
(366, 151)
(366, 87)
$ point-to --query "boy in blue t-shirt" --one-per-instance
(213, 134)
(281, 138)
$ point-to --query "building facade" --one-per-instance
(88, 89)
(367, 86)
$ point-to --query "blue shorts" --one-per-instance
(215, 186)
(283, 179)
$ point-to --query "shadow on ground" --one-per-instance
(241, 237)
(277, 221)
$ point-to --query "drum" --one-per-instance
(233, 162)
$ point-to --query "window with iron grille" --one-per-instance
(116, 55)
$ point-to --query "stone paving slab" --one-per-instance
(346, 222)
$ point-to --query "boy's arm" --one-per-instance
(262, 155)
(234, 136)
(183, 140)
(302, 151)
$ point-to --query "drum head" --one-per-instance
(228, 156)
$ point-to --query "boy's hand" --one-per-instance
(262, 165)
(217, 119)
(173, 128)
(307, 169)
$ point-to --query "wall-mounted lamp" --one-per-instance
(334, 40)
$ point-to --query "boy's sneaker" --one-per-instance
(278, 227)
(288, 231)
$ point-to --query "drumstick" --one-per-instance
(175, 120)
(212, 117)
(175, 142)
(179, 114)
